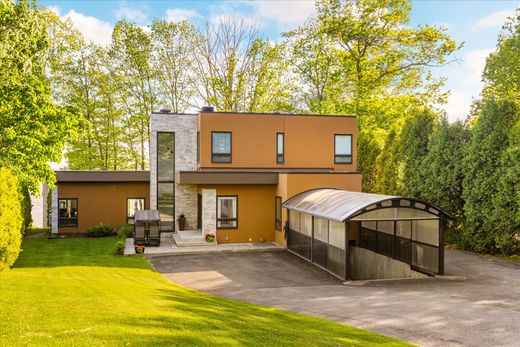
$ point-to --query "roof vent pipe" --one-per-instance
(207, 109)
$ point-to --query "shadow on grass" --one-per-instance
(74, 252)
(208, 320)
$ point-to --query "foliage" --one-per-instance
(25, 202)
(119, 247)
(37, 231)
(210, 237)
(33, 127)
(89, 297)
(99, 230)
(125, 231)
(10, 219)
(489, 142)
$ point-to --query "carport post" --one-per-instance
(347, 253)
(442, 228)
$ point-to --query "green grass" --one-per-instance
(74, 292)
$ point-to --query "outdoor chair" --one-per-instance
(155, 235)
(139, 235)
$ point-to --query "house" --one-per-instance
(231, 174)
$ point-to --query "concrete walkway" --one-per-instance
(168, 247)
(481, 310)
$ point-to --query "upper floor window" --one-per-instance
(227, 212)
(280, 148)
(220, 147)
(132, 205)
(342, 149)
(67, 212)
(165, 156)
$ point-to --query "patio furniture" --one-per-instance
(147, 222)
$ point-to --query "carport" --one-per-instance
(356, 235)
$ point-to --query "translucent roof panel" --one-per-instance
(395, 213)
(342, 205)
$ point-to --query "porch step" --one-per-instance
(190, 238)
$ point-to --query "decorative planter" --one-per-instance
(182, 225)
(139, 249)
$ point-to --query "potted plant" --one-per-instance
(210, 238)
(182, 222)
(139, 249)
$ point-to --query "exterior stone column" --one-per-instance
(54, 212)
(209, 212)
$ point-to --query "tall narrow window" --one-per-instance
(198, 146)
(166, 178)
(342, 149)
(278, 213)
(67, 212)
(227, 212)
(220, 147)
(132, 205)
(280, 144)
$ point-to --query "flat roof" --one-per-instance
(102, 175)
(258, 113)
(235, 177)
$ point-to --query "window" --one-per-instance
(198, 146)
(342, 149)
(278, 213)
(67, 212)
(280, 144)
(227, 213)
(132, 205)
(166, 178)
(221, 147)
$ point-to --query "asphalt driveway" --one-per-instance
(481, 310)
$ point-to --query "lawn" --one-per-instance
(74, 292)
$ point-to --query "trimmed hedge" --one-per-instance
(123, 232)
(10, 219)
(100, 230)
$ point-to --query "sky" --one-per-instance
(476, 23)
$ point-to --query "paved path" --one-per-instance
(482, 310)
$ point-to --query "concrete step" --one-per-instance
(191, 242)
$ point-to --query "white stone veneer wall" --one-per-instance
(209, 211)
(54, 212)
(185, 128)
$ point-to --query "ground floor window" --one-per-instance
(278, 213)
(227, 212)
(67, 212)
(132, 205)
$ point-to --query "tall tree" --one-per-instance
(482, 165)
(173, 63)
(131, 51)
(33, 128)
(238, 71)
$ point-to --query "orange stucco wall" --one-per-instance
(255, 213)
(102, 202)
(309, 140)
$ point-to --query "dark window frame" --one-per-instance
(348, 157)
(213, 154)
(73, 225)
(227, 219)
(128, 218)
(282, 155)
(198, 147)
(278, 222)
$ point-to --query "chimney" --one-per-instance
(207, 109)
(165, 110)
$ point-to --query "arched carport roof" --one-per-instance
(342, 205)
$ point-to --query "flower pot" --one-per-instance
(139, 250)
(182, 225)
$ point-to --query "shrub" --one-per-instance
(119, 247)
(99, 230)
(125, 231)
(26, 209)
(10, 219)
(37, 230)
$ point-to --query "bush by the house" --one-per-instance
(10, 219)
(119, 247)
(26, 209)
(37, 230)
(99, 230)
(125, 231)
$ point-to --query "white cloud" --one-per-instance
(465, 82)
(180, 14)
(93, 29)
(285, 13)
(493, 20)
(132, 14)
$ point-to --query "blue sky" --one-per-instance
(477, 23)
